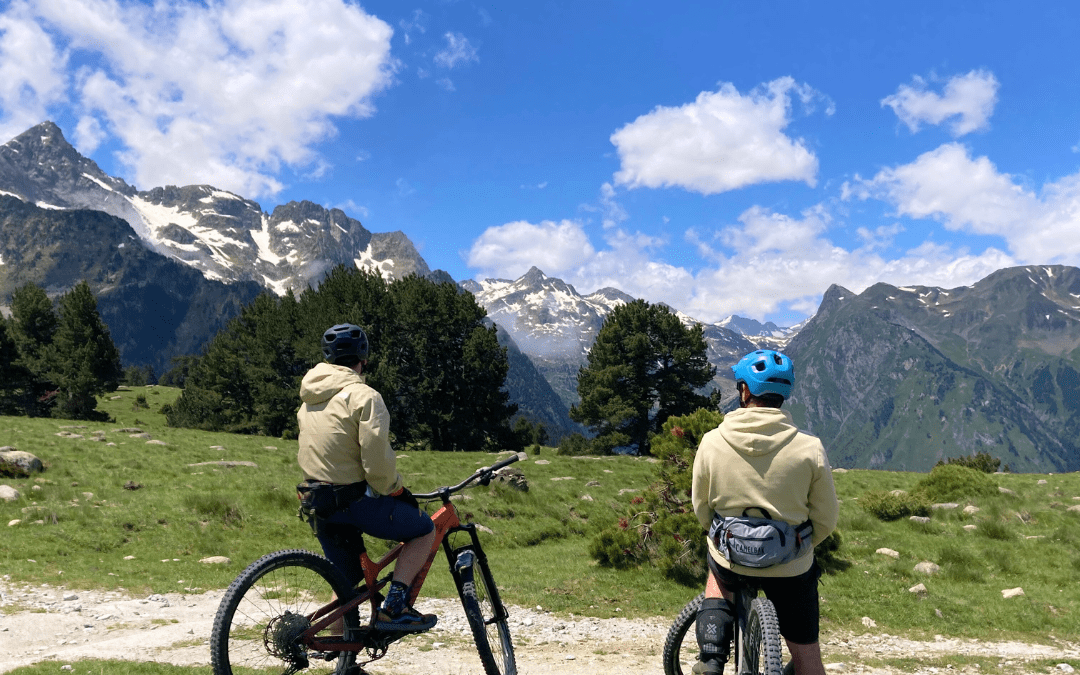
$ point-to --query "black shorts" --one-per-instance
(795, 599)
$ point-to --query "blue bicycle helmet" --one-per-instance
(343, 341)
(765, 372)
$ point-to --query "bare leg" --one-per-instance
(807, 658)
(412, 557)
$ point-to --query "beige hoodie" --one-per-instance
(345, 430)
(757, 457)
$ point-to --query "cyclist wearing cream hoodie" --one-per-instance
(345, 441)
(758, 459)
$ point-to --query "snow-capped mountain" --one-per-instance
(223, 235)
(555, 325)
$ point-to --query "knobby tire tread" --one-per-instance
(763, 639)
(221, 633)
(474, 575)
(683, 624)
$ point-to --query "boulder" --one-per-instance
(971, 510)
(215, 560)
(511, 477)
(1074, 509)
(889, 552)
(919, 519)
(919, 590)
(946, 506)
(9, 494)
(18, 464)
(927, 567)
(1012, 592)
(1006, 491)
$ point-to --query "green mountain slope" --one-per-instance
(899, 378)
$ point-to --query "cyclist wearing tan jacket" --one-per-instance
(757, 459)
(345, 441)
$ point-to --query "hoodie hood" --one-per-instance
(325, 380)
(758, 431)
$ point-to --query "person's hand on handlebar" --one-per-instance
(403, 495)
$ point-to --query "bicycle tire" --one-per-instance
(762, 640)
(485, 615)
(251, 629)
(681, 647)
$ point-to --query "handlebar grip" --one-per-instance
(508, 461)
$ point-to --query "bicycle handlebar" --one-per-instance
(482, 474)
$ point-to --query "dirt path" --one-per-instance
(51, 623)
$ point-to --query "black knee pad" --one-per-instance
(715, 628)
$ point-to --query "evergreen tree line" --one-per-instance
(437, 365)
(56, 359)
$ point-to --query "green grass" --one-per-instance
(150, 540)
(110, 667)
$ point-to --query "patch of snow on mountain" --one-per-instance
(158, 216)
(10, 194)
(262, 241)
(98, 181)
(367, 261)
(44, 205)
(287, 226)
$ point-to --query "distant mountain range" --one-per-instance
(892, 378)
(901, 377)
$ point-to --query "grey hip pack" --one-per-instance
(752, 541)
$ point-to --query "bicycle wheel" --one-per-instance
(265, 610)
(486, 616)
(681, 647)
(762, 652)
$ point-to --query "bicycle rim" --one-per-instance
(264, 611)
(491, 634)
(762, 653)
(681, 647)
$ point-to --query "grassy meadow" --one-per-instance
(81, 527)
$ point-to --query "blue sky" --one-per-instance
(723, 157)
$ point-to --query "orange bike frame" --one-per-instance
(445, 520)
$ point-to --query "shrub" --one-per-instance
(953, 482)
(980, 461)
(659, 527)
(574, 444)
(894, 505)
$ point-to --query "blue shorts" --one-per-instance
(382, 517)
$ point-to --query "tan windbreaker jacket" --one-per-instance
(345, 430)
(757, 457)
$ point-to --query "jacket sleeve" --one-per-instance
(701, 487)
(824, 509)
(376, 455)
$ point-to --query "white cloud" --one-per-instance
(458, 51)
(765, 263)
(31, 71)
(224, 93)
(722, 141)
(508, 251)
(968, 101)
(446, 83)
(971, 195)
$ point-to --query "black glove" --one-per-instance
(404, 495)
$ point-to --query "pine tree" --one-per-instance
(14, 377)
(644, 367)
(33, 330)
(85, 362)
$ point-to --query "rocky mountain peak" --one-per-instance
(41, 167)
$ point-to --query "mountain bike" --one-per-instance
(293, 610)
(757, 637)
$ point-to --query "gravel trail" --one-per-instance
(39, 623)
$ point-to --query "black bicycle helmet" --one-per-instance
(345, 342)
